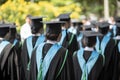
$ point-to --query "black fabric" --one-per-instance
(9, 69)
(73, 46)
(55, 65)
(25, 59)
(94, 73)
(110, 62)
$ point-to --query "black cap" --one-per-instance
(76, 22)
(64, 17)
(104, 24)
(117, 19)
(89, 38)
(88, 27)
(36, 24)
(53, 27)
(103, 27)
(90, 33)
(13, 29)
(4, 29)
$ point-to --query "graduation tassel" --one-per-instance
(28, 66)
(39, 77)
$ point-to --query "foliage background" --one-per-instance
(16, 10)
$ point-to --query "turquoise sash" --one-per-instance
(104, 42)
(30, 46)
(43, 65)
(97, 46)
(15, 41)
(86, 67)
(79, 37)
(108, 34)
(114, 30)
(62, 37)
(119, 46)
(2, 45)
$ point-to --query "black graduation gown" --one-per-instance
(55, 65)
(116, 75)
(73, 46)
(25, 60)
(95, 71)
(110, 60)
(9, 69)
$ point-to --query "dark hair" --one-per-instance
(104, 30)
(52, 37)
(89, 41)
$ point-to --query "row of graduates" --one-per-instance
(62, 55)
(66, 55)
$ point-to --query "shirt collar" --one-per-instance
(1, 38)
(38, 34)
(51, 42)
(88, 48)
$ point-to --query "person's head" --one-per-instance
(104, 27)
(36, 25)
(27, 19)
(65, 17)
(89, 38)
(53, 30)
(4, 30)
(118, 28)
(87, 27)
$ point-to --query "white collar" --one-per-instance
(88, 48)
(38, 34)
(51, 42)
(1, 38)
(117, 37)
(63, 28)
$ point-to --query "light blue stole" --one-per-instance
(86, 67)
(62, 37)
(114, 30)
(2, 45)
(97, 46)
(43, 65)
(30, 46)
(104, 43)
(15, 41)
(79, 38)
(119, 46)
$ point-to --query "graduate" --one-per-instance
(9, 69)
(117, 59)
(88, 63)
(68, 39)
(51, 61)
(107, 49)
(30, 43)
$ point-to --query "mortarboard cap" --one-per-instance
(4, 29)
(53, 27)
(36, 24)
(13, 29)
(117, 19)
(76, 22)
(64, 17)
(103, 27)
(90, 33)
(104, 24)
(88, 27)
(89, 37)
